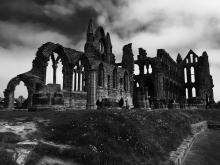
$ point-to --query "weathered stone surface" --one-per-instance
(184, 83)
(94, 74)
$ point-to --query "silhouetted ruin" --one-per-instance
(93, 76)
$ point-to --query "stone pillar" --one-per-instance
(54, 73)
(147, 99)
(139, 98)
(79, 78)
(11, 100)
(30, 97)
(67, 80)
(43, 73)
(158, 84)
(91, 90)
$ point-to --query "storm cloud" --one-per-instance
(176, 26)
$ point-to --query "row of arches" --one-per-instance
(147, 69)
(54, 73)
(79, 78)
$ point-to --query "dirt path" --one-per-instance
(205, 150)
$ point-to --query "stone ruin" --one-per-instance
(93, 77)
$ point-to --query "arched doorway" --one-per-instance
(20, 96)
(9, 93)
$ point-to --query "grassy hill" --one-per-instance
(106, 137)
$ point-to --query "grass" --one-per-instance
(6, 158)
(112, 137)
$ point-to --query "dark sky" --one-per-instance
(176, 26)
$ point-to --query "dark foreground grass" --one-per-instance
(112, 137)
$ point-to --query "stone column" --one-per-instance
(11, 100)
(147, 99)
(139, 98)
(43, 72)
(67, 79)
(158, 84)
(91, 90)
(79, 78)
(54, 73)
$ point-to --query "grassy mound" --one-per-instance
(117, 137)
(112, 137)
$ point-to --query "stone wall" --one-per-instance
(177, 157)
(107, 90)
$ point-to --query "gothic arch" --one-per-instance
(101, 40)
(44, 54)
(30, 81)
(80, 68)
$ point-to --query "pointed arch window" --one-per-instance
(196, 59)
(78, 83)
(187, 93)
(145, 69)
(101, 47)
(185, 75)
(54, 73)
(136, 69)
(192, 70)
(150, 69)
(193, 92)
(191, 58)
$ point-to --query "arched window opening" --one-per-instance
(78, 83)
(54, 73)
(126, 81)
(115, 78)
(136, 69)
(193, 92)
(20, 96)
(196, 59)
(191, 58)
(101, 75)
(49, 73)
(185, 75)
(101, 47)
(192, 70)
(150, 69)
(137, 84)
(145, 69)
(187, 93)
(187, 61)
(21, 90)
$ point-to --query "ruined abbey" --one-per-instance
(93, 77)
